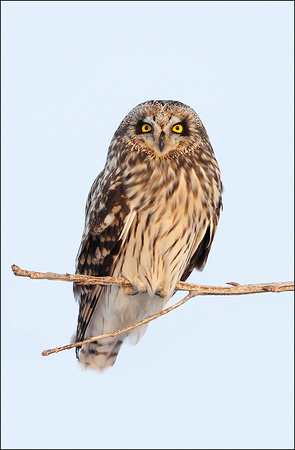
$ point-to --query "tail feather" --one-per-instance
(100, 354)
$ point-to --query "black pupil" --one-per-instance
(146, 127)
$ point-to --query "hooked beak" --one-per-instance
(161, 141)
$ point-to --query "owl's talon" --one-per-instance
(131, 290)
(159, 293)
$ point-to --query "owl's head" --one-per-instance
(162, 128)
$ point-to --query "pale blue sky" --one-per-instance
(217, 372)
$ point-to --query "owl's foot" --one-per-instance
(134, 290)
(160, 293)
(140, 288)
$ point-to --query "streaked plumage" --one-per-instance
(151, 216)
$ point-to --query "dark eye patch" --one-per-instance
(138, 127)
(185, 131)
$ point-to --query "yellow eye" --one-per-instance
(146, 128)
(177, 128)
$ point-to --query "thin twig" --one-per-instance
(123, 330)
(194, 290)
(235, 289)
(80, 279)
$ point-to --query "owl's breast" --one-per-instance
(166, 223)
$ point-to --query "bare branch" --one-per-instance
(81, 279)
(236, 289)
(194, 290)
(123, 330)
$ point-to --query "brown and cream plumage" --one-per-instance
(151, 216)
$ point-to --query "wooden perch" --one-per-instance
(194, 290)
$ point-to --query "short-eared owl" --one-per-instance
(151, 216)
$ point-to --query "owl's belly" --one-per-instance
(159, 244)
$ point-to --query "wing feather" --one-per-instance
(107, 212)
(200, 256)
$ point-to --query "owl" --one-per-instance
(151, 216)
